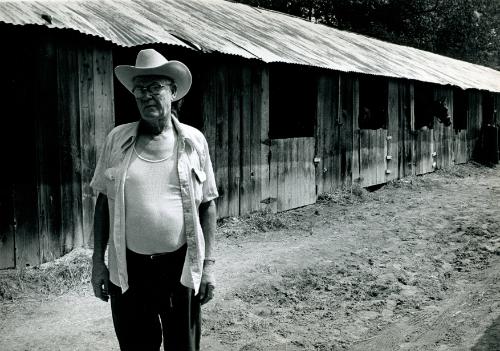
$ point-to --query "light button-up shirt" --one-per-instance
(197, 185)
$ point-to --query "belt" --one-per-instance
(158, 255)
(179, 253)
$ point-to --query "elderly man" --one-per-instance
(155, 207)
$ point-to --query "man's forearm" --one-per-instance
(208, 221)
(101, 228)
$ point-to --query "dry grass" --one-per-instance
(235, 227)
(345, 195)
(68, 273)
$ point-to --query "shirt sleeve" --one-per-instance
(209, 187)
(98, 182)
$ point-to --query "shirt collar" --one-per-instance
(131, 134)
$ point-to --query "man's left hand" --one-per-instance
(206, 291)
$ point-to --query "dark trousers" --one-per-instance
(156, 305)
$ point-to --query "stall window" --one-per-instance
(489, 108)
(373, 101)
(423, 102)
(460, 107)
(292, 101)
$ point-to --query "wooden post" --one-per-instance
(256, 139)
(346, 117)
(234, 125)
(265, 175)
(87, 136)
(48, 177)
(245, 161)
(24, 164)
(222, 130)
(412, 130)
(356, 173)
(69, 129)
(393, 129)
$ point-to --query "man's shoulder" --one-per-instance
(191, 132)
(123, 131)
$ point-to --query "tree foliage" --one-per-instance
(463, 29)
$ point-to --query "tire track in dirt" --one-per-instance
(431, 330)
(416, 242)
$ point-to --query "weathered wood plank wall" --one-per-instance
(47, 146)
(459, 138)
(24, 156)
(405, 161)
(460, 146)
(474, 125)
(85, 116)
(327, 145)
(294, 174)
(347, 111)
(96, 120)
(73, 113)
(66, 87)
(356, 166)
(334, 131)
(235, 123)
(392, 139)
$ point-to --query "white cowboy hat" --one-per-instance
(151, 62)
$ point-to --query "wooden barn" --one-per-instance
(291, 109)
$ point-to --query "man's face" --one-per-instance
(154, 95)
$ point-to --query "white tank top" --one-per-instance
(154, 219)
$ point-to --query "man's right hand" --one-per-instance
(100, 280)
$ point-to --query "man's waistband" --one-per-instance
(178, 254)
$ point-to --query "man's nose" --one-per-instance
(146, 96)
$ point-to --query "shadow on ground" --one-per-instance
(490, 339)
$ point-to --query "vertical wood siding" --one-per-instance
(24, 165)
(235, 123)
(85, 116)
(294, 172)
(47, 146)
(392, 140)
(327, 147)
(474, 124)
(405, 161)
(459, 142)
(66, 86)
(346, 117)
(47, 204)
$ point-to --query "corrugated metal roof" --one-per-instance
(237, 29)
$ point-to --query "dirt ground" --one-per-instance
(414, 265)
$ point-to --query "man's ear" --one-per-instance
(174, 90)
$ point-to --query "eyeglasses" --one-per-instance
(153, 89)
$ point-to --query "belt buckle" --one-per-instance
(152, 257)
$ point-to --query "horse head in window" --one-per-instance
(440, 111)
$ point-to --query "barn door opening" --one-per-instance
(292, 111)
(373, 123)
(293, 171)
(425, 153)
